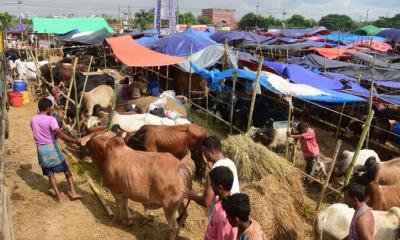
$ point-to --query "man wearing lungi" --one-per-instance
(45, 131)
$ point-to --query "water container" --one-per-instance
(25, 97)
(16, 99)
(396, 130)
(20, 86)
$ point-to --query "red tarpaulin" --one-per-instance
(135, 55)
(333, 53)
(374, 45)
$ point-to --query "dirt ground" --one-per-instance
(36, 215)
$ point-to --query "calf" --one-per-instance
(333, 223)
(177, 140)
(157, 180)
(101, 95)
(344, 160)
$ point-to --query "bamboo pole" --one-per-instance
(50, 69)
(114, 102)
(69, 92)
(77, 106)
(233, 96)
(288, 127)
(326, 184)
(340, 121)
(190, 77)
(101, 199)
(370, 109)
(253, 98)
(86, 79)
(359, 146)
(167, 80)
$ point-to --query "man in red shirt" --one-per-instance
(308, 144)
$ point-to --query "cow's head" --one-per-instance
(318, 170)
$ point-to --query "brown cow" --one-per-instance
(180, 83)
(154, 179)
(382, 197)
(176, 140)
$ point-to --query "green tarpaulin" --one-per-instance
(65, 25)
(369, 30)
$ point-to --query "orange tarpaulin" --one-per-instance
(333, 53)
(135, 55)
(374, 45)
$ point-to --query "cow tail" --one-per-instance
(184, 172)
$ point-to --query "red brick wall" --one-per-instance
(217, 15)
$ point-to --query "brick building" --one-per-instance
(219, 15)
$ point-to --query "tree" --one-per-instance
(203, 20)
(142, 18)
(336, 22)
(185, 18)
(385, 22)
(250, 20)
(298, 21)
(6, 19)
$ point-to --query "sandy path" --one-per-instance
(36, 216)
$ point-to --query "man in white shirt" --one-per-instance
(212, 151)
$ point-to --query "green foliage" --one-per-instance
(384, 22)
(185, 18)
(26, 21)
(298, 21)
(251, 20)
(6, 19)
(203, 20)
(142, 18)
(336, 22)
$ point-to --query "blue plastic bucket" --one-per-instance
(20, 86)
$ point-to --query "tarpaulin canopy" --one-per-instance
(386, 57)
(378, 46)
(333, 53)
(392, 34)
(181, 44)
(374, 62)
(95, 38)
(197, 33)
(229, 36)
(208, 57)
(295, 33)
(369, 30)
(350, 38)
(68, 35)
(368, 73)
(147, 41)
(317, 61)
(289, 47)
(64, 25)
(132, 54)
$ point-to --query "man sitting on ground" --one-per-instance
(363, 223)
(237, 208)
(221, 180)
(45, 131)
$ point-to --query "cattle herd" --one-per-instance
(140, 158)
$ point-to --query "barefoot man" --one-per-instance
(45, 131)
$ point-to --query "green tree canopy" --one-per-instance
(384, 22)
(142, 18)
(251, 20)
(6, 19)
(336, 22)
(203, 20)
(185, 18)
(298, 21)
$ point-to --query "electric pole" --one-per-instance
(366, 18)
(177, 11)
(119, 16)
(257, 6)
(129, 14)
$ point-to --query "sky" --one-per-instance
(357, 9)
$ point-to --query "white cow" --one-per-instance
(333, 223)
(27, 70)
(101, 95)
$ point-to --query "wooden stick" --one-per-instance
(114, 102)
(69, 92)
(340, 121)
(359, 146)
(370, 107)
(50, 69)
(316, 180)
(86, 78)
(100, 197)
(253, 98)
(326, 184)
(233, 96)
(167, 81)
(77, 107)
(289, 127)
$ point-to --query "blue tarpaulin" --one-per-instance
(198, 33)
(222, 36)
(350, 38)
(147, 41)
(181, 44)
(392, 34)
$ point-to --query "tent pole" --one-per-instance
(190, 76)
(233, 96)
(253, 98)
(77, 107)
(167, 79)
(86, 79)
(370, 108)
(340, 121)
(289, 127)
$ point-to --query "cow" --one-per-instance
(382, 197)
(177, 140)
(14, 54)
(157, 180)
(333, 223)
(101, 95)
(27, 70)
(180, 83)
(380, 127)
(385, 173)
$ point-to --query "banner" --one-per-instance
(165, 10)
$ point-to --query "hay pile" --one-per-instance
(274, 187)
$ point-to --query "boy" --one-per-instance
(308, 144)
(45, 131)
(362, 224)
(237, 208)
(221, 180)
(212, 151)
